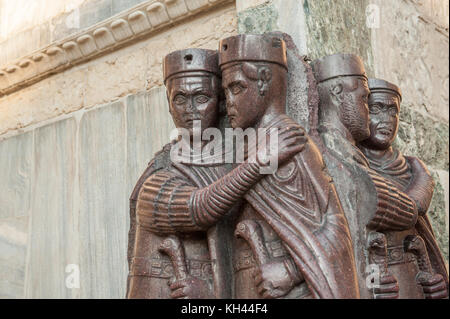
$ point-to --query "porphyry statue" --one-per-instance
(413, 254)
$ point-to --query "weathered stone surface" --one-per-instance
(438, 212)
(16, 164)
(415, 56)
(423, 137)
(242, 5)
(103, 202)
(121, 5)
(65, 24)
(63, 93)
(53, 236)
(116, 77)
(148, 129)
(126, 71)
(94, 11)
(338, 28)
(260, 19)
(13, 247)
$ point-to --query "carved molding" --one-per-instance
(117, 31)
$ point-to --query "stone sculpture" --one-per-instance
(192, 78)
(297, 205)
(374, 205)
(417, 246)
(327, 222)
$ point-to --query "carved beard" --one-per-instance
(351, 118)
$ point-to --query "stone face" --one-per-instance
(53, 236)
(16, 164)
(13, 247)
(103, 202)
(148, 129)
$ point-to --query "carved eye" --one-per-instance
(201, 99)
(179, 99)
(393, 111)
(375, 109)
(236, 89)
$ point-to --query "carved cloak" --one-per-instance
(300, 203)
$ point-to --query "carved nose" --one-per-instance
(189, 106)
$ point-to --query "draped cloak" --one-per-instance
(301, 205)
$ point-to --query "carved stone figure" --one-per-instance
(292, 232)
(180, 208)
(192, 78)
(374, 205)
(410, 175)
(343, 215)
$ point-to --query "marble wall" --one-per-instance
(65, 197)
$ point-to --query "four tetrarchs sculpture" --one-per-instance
(342, 215)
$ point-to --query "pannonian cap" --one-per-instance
(253, 48)
(191, 60)
(382, 86)
(337, 65)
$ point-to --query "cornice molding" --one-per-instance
(116, 32)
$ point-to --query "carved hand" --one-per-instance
(291, 140)
(190, 288)
(273, 280)
(388, 288)
(434, 287)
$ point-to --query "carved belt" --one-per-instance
(161, 268)
(244, 257)
(396, 255)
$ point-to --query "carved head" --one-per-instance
(254, 76)
(343, 92)
(192, 79)
(384, 108)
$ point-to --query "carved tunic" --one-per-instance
(163, 199)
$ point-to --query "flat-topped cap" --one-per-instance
(253, 48)
(338, 65)
(382, 86)
(191, 60)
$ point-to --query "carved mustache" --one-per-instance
(191, 119)
(385, 128)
